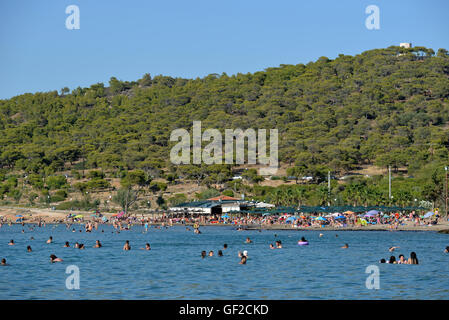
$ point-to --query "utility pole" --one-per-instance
(328, 188)
(446, 169)
(389, 183)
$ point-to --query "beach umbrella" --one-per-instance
(120, 214)
(349, 212)
(372, 212)
(19, 220)
(429, 214)
(19, 216)
(79, 216)
(104, 219)
(340, 217)
(225, 216)
(321, 219)
(291, 218)
(386, 216)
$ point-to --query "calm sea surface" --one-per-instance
(173, 269)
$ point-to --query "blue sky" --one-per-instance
(195, 38)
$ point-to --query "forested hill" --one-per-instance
(384, 106)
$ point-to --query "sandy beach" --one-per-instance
(33, 215)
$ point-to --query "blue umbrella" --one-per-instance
(321, 219)
(340, 217)
(19, 216)
(225, 216)
(429, 214)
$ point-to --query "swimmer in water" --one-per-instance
(391, 249)
(77, 246)
(211, 253)
(402, 259)
(11, 243)
(127, 246)
(446, 250)
(50, 240)
(321, 235)
(220, 253)
(248, 240)
(97, 244)
(29, 249)
(66, 245)
(147, 247)
(346, 246)
(225, 246)
(3, 263)
(243, 260)
(54, 258)
(203, 254)
(81, 246)
(279, 244)
(382, 260)
(303, 239)
(271, 246)
(392, 260)
(413, 259)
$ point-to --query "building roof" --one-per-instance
(221, 198)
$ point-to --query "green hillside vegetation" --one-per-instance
(382, 107)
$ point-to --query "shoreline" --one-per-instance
(33, 215)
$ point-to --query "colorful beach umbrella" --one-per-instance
(79, 216)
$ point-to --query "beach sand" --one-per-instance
(33, 215)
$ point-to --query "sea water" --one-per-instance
(174, 269)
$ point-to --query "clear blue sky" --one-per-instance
(194, 38)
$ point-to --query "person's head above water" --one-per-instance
(392, 259)
(382, 260)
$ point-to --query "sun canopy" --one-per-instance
(429, 214)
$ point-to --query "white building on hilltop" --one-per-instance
(405, 45)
